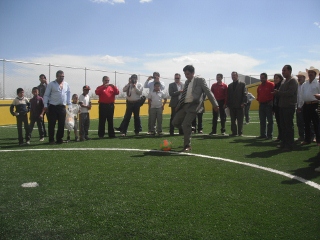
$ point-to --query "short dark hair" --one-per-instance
(42, 75)
(220, 74)
(35, 88)
(104, 77)
(74, 95)
(59, 72)
(234, 72)
(19, 90)
(264, 74)
(177, 74)
(157, 83)
(288, 67)
(156, 73)
(189, 68)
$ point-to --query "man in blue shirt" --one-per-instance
(57, 95)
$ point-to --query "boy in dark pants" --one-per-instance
(22, 107)
(85, 104)
(36, 113)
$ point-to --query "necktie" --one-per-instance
(184, 94)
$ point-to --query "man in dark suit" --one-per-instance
(237, 98)
(190, 102)
(175, 91)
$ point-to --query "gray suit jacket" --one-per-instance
(174, 93)
(200, 87)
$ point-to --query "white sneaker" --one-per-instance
(317, 169)
(41, 139)
(28, 142)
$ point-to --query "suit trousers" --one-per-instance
(223, 117)
(173, 113)
(184, 117)
(286, 122)
(236, 115)
(56, 113)
(106, 112)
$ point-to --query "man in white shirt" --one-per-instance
(309, 90)
(134, 91)
(175, 91)
(302, 76)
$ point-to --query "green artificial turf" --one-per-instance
(119, 194)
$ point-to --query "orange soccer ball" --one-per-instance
(165, 145)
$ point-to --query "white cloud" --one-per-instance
(108, 1)
(316, 23)
(207, 65)
(145, 1)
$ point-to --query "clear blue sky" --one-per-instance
(141, 36)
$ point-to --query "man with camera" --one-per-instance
(156, 78)
(134, 91)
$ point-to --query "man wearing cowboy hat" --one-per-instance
(302, 76)
(309, 90)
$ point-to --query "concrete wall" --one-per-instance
(120, 108)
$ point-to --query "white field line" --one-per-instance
(300, 179)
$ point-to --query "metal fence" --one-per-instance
(17, 74)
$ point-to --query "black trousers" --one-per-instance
(23, 119)
(223, 117)
(286, 122)
(132, 108)
(310, 114)
(56, 113)
(106, 111)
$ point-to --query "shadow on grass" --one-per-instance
(158, 153)
(307, 173)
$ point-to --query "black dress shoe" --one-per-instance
(118, 129)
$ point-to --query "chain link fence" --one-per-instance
(16, 74)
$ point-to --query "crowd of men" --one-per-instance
(282, 98)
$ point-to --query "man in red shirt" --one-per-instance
(219, 90)
(265, 99)
(106, 93)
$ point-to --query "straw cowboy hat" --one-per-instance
(313, 69)
(302, 74)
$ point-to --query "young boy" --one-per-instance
(36, 112)
(22, 107)
(84, 119)
(156, 107)
(74, 109)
